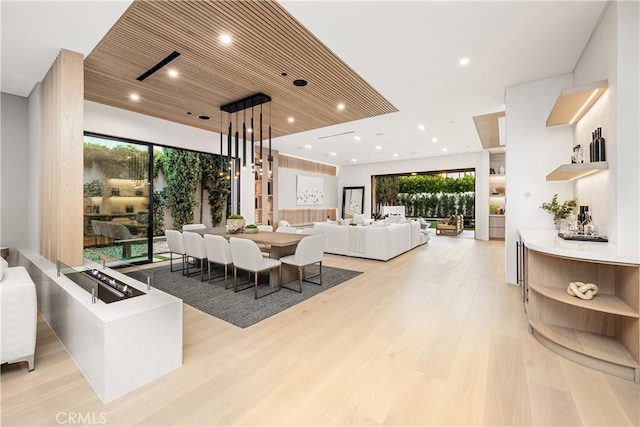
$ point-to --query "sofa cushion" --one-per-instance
(3, 266)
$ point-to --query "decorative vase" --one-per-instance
(235, 225)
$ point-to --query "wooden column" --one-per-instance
(62, 89)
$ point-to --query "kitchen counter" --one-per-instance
(547, 241)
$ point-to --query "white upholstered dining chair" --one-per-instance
(218, 252)
(309, 251)
(189, 227)
(246, 256)
(176, 246)
(194, 248)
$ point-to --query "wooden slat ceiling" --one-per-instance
(267, 41)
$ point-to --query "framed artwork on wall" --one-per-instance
(310, 191)
(352, 201)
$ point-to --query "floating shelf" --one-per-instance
(573, 171)
(574, 102)
(601, 302)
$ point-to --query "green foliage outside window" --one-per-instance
(182, 173)
(427, 196)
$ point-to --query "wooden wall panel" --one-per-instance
(62, 159)
(289, 162)
(306, 216)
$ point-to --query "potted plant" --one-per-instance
(559, 211)
(251, 229)
(235, 223)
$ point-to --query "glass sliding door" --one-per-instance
(117, 193)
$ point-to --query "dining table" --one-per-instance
(281, 244)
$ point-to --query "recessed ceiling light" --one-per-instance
(134, 97)
(421, 127)
(444, 149)
(300, 82)
(173, 73)
(249, 130)
(204, 117)
(357, 138)
(307, 146)
(395, 154)
(378, 147)
(414, 173)
(332, 153)
(434, 139)
(341, 106)
(464, 61)
(291, 119)
(354, 160)
(225, 38)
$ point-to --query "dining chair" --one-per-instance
(176, 246)
(283, 223)
(194, 248)
(309, 251)
(189, 227)
(246, 256)
(264, 248)
(218, 252)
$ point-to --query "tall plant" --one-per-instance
(182, 172)
(159, 202)
(387, 188)
(218, 187)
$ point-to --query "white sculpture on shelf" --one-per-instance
(582, 290)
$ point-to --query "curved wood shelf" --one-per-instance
(602, 302)
(600, 347)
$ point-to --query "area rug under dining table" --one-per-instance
(240, 309)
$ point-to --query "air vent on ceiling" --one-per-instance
(337, 134)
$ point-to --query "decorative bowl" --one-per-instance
(250, 230)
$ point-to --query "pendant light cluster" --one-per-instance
(241, 107)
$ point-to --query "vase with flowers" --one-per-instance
(559, 211)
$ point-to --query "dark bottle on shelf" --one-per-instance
(601, 151)
(596, 147)
(592, 147)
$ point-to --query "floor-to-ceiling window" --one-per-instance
(134, 191)
(117, 199)
(429, 195)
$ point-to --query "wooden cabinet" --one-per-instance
(602, 333)
(497, 193)
(265, 189)
(496, 227)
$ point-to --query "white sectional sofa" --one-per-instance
(19, 315)
(381, 242)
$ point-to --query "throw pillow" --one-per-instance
(3, 266)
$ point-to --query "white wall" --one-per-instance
(360, 175)
(287, 179)
(14, 176)
(533, 151)
(628, 124)
(599, 62)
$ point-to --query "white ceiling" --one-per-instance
(408, 51)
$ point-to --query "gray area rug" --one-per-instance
(241, 309)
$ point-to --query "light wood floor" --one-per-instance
(433, 337)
